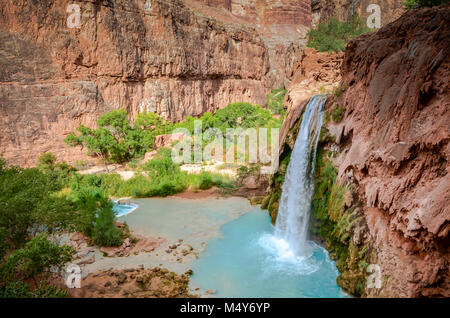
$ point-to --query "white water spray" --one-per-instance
(298, 187)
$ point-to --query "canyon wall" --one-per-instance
(391, 151)
(169, 57)
(397, 125)
(282, 25)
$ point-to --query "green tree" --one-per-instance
(28, 204)
(99, 142)
(21, 191)
(115, 140)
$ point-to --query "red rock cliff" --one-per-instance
(169, 58)
(395, 147)
(392, 146)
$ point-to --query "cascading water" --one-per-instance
(254, 259)
(298, 187)
(289, 242)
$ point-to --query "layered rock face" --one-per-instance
(162, 56)
(394, 141)
(264, 12)
(281, 24)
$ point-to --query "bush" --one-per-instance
(93, 214)
(162, 165)
(206, 181)
(24, 194)
(161, 177)
(334, 35)
(17, 289)
(87, 202)
(105, 232)
(47, 159)
(36, 258)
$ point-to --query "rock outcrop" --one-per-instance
(391, 146)
(396, 126)
(133, 283)
(314, 73)
(173, 57)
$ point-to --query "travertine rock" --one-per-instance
(397, 123)
(314, 73)
(393, 145)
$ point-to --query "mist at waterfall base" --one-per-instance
(254, 259)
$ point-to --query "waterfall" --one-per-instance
(298, 187)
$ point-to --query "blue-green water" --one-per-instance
(124, 209)
(248, 261)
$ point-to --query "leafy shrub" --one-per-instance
(161, 177)
(3, 244)
(105, 233)
(22, 192)
(162, 164)
(37, 257)
(334, 35)
(94, 215)
(47, 159)
(87, 202)
(15, 289)
(206, 181)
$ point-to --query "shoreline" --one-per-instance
(175, 252)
